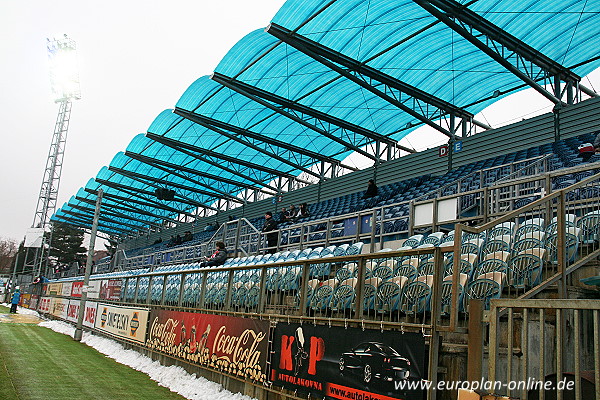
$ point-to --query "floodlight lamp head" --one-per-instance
(64, 75)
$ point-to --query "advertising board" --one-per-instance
(110, 289)
(66, 289)
(237, 346)
(125, 322)
(54, 289)
(59, 308)
(348, 363)
(89, 317)
(76, 289)
(45, 305)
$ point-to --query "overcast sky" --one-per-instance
(136, 58)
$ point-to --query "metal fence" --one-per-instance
(546, 348)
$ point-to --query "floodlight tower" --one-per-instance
(64, 79)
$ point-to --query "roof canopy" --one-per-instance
(328, 78)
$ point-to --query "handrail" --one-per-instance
(563, 269)
(361, 259)
(532, 205)
(478, 172)
(516, 173)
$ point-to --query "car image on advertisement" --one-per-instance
(373, 360)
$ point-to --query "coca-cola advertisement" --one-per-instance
(236, 346)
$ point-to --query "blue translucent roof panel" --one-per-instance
(398, 38)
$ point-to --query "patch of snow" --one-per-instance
(174, 378)
(27, 311)
(23, 310)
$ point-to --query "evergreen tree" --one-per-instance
(8, 251)
(66, 246)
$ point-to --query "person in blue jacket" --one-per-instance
(15, 300)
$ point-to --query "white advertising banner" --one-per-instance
(448, 210)
(59, 308)
(93, 290)
(125, 322)
(89, 317)
(66, 289)
(33, 237)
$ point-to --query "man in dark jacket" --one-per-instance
(187, 236)
(217, 258)
(270, 226)
(372, 190)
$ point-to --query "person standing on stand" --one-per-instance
(271, 227)
(15, 300)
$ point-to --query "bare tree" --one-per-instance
(8, 250)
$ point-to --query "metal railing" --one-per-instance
(239, 234)
(489, 176)
(546, 348)
(553, 342)
(379, 224)
(309, 290)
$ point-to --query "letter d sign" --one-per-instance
(444, 150)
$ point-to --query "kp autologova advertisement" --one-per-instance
(237, 346)
(348, 363)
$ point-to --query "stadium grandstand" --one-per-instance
(477, 260)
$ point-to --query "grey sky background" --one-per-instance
(136, 58)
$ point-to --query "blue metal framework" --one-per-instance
(328, 78)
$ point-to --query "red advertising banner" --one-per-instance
(110, 289)
(237, 346)
(45, 305)
(89, 316)
(76, 289)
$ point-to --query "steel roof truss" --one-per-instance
(233, 162)
(513, 54)
(291, 110)
(419, 104)
(148, 203)
(85, 216)
(177, 145)
(114, 213)
(135, 192)
(82, 221)
(114, 204)
(290, 151)
(206, 178)
(257, 148)
(156, 182)
(175, 170)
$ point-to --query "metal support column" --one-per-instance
(88, 269)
